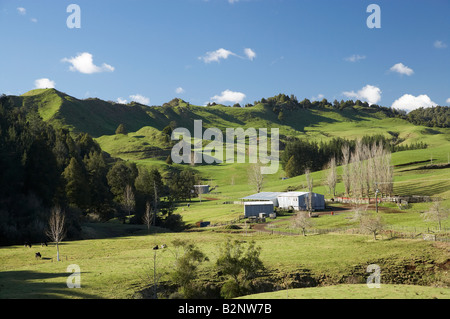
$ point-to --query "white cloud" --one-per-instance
(140, 99)
(371, 94)
(22, 11)
(83, 63)
(215, 56)
(318, 98)
(439, 44)
(409, 102)
(355, 58)
(34, 20)
(250, 54)
(447, 101)
(122, 101)
(179, 90)
(229, 96)
(402, 69)
(44, 84)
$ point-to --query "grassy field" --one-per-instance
(357, 292)
(120, 267)
(116, 260)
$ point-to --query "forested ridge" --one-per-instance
(43, 167)
(438, 116)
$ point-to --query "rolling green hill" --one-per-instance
(331, 258)
(101, 118)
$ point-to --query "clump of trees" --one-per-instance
(366, 164)
(240, 264)
(438, 116)
(188, 258)
(366, 170)
(44, 167)
(301, 154)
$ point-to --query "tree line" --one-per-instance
(366, 164)
(44, 167)
(302, 154)
(438, 116)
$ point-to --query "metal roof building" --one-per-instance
(296, 200)
(257, 208)
(264, 196)
(299, 200)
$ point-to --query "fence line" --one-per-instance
(391, 232)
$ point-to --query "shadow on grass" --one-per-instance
(25, 284)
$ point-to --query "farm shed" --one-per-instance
(299, 200)
(256, 208)
(265, 197)
(201, 189)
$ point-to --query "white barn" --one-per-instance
(299, 200)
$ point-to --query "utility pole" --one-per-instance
(155, 281)
(156, 202)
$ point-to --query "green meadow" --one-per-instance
(116, 260)
(121, 267)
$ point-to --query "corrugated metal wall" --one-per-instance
(255, 210)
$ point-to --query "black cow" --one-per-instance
(44, 244)
(38, 255)
(27, 244)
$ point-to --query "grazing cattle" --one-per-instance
(27, 244)
(156, 247)
(163, 246)
(38, 255)
(44, 244)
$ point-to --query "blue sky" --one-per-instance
(229, 51)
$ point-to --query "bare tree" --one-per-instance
(346, 173)
(436, 214)
(56, 231)
(358, 170)
(332, 176)
(147, 218)
(372, 224)
(359, 211)
(302, 221)
(256, 178)
(128, 200)
(310, 185)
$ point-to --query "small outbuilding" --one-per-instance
(255, 209)
(201, 189)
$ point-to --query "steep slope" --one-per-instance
(93, 116)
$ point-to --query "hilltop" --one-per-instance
(98, 117)
(318, 121)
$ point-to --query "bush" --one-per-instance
(174, 222)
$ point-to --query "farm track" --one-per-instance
(262, 227)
